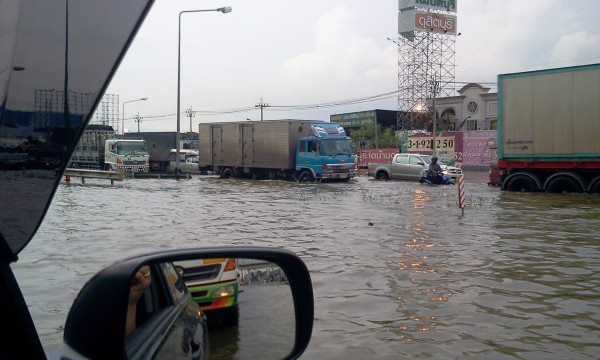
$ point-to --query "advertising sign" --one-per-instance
(448, 146)
(366, 156)
(425, 21)
(476, 153)
(444, 5)
(354, 120)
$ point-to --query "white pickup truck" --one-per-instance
(408, 167)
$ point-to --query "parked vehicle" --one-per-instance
(289, 149)
(188, 161)
(137, 308)
(160, 146)
(213, 284)
(99, 149)
(408, 167)
(548, 134)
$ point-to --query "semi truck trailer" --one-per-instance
(549, 130)
(299, 150)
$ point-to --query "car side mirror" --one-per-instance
(250, 301)
(420, 163)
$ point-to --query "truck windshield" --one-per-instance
(126, 148)
(337, 147)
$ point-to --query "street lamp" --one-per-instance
(224, 10)
(123, 113)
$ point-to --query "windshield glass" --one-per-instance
(337, 147)
(126, 148)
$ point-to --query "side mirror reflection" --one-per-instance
(239, 308)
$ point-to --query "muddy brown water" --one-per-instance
(397, 271)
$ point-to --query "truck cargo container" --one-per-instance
(290, 149)
(548, 130)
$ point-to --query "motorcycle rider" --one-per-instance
(434, 171)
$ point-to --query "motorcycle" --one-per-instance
(446, 180)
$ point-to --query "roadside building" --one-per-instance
(474, 108)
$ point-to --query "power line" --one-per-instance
(315, 106)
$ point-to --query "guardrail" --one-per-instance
(94, 174)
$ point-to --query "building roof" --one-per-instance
(471, 85)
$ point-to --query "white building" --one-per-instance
(475, 108)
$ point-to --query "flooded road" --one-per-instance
(397, 272)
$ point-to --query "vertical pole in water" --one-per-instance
(461, 193)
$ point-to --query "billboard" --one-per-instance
(354, 120)
(444, 5)
(413, 20)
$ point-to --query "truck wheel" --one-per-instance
(306, 176)
(226, 174)
(595, 188)
(382, 175)
(563, 184)
(522, 183)
(108, 167)
(231, 317)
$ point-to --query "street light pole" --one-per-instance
(224, 10)
(123, 113)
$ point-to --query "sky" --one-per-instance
(316, 51)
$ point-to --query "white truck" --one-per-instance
(98, 149)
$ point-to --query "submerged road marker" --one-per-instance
(461, 193)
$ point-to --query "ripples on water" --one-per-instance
(516, 277)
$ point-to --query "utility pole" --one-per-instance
(138, 119)
(190, 113)
(261, 105)
(434, 90)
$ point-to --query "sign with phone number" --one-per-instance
(424, 143)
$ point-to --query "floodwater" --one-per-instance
(397, 271)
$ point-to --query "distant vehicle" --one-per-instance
(548, 128)
(99, 149)
(408, 167)
(299, 150)
(213, 284)
(188, 161)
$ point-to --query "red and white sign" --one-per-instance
(366, 156)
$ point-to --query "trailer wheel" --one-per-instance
(522, 183)
(595, 188)
(306, 176)
(563, 184)
(227, 173)
(382, 175)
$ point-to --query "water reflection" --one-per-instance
(518, 275)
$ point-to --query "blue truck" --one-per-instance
(300, 150)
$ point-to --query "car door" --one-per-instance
(399, 167)
(170, 324)
(415, 166)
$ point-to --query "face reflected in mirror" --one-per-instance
(241, 308)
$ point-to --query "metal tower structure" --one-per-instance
(426, 52)
(107, 112)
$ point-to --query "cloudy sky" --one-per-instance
(316, 51)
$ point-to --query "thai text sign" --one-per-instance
(366, 156)
(476, 150)
(412, 20)
(356, 119)
(445, 5)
